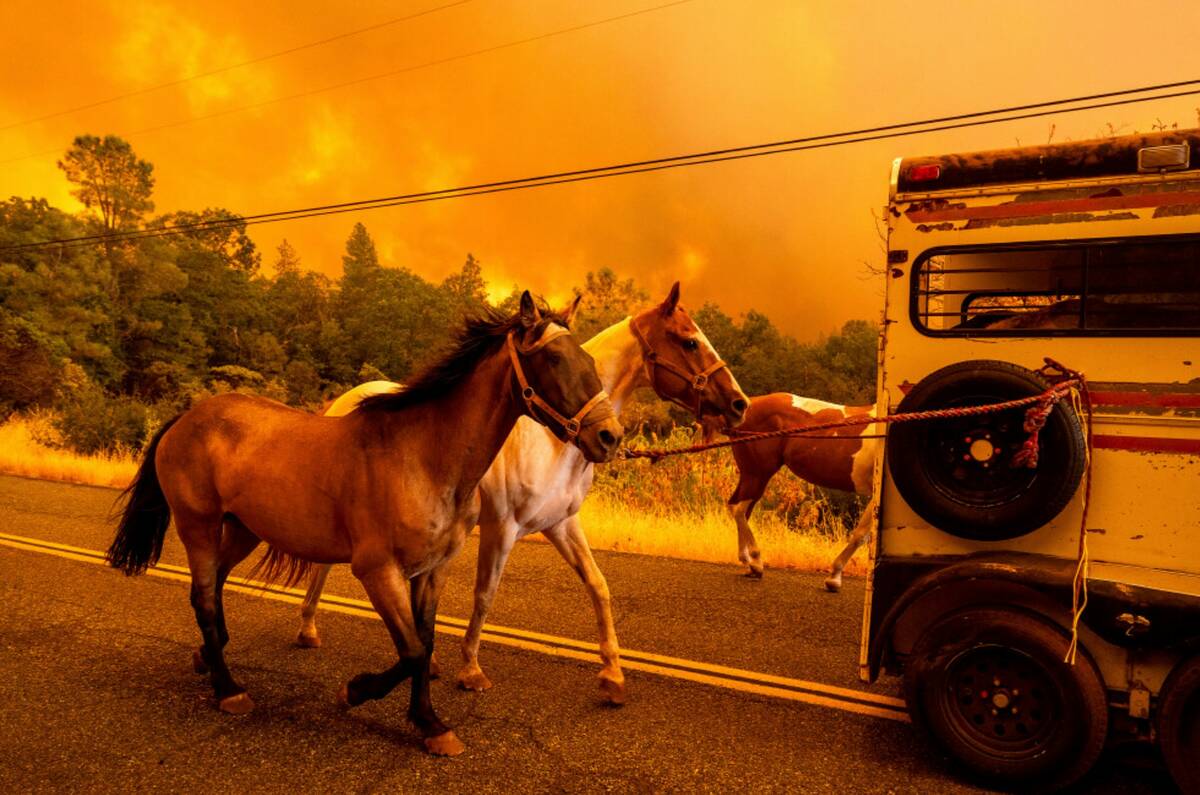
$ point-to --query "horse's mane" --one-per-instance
(479, 335)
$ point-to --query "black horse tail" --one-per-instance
(144, 517)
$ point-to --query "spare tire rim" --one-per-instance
(1001, 701)
(970, 458)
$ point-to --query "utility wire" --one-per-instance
(221, 70)
(714, 155)
(878, 133)
(379, 76)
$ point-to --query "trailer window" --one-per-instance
(1089, 287)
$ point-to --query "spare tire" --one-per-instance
(957, 473)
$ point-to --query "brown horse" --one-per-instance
(841, 458)
(390, 489)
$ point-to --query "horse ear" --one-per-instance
(530, 316)
(573, 308)
(668, 306)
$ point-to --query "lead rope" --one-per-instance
(1081, 400)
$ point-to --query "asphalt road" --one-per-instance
(98, 692)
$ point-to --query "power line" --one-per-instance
(878, 133)
(380, 75)
(221, 70)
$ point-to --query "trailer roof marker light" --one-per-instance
(925, 173)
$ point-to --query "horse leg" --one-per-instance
(308, 637)
(861, 532)
(237, 542)
(749, 490)
(496, 541)
(389, 593)
(203, 542)
(568, 538)
(439, 739)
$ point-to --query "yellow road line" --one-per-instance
(738, 679)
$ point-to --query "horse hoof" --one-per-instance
(614, 691)
(833, 585)
(312, 641)
(754, 574)
(343, 697)
(198, 664)
(236, 705)
(435, 669)
(444, 745)
(475, 680)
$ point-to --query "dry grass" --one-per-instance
(710, 536)
(670, 510)
(23, 452)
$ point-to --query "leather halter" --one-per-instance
(570, 427)
(698, 381)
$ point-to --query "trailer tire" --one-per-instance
(1178, 725)
(990, 686)
(956, 473)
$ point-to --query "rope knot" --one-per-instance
(1035, 419)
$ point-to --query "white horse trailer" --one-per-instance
(1088, 253)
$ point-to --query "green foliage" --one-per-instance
(66, 294)
(29, 367)
(303, 383)
(90, 421)
(466, 291)
(839, 368)
(232, 376)
(110, 180)
(606, 300)
(390, 317)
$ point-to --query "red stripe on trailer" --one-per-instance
(1160, 400)
(1146, 444)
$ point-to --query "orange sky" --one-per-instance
(784, 234)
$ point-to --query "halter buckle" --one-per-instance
(700, 382)
(572, 428)
(527, 393)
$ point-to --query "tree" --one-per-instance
(29, 368)
(390, 318)
(466, 290)
(360, 258)
(606, 299)
(111, 180)
(62, 292)
(288, 260)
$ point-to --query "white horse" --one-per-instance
(537, 484)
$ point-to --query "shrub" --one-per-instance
(233, 377)
(303, 383)
(29, 369)
(92, 422)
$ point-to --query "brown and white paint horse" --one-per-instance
(537, 484)
(840, 458)
(390, 489)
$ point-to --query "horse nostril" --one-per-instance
(607, 438)
(740, 405)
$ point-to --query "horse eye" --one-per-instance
(690, 345)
